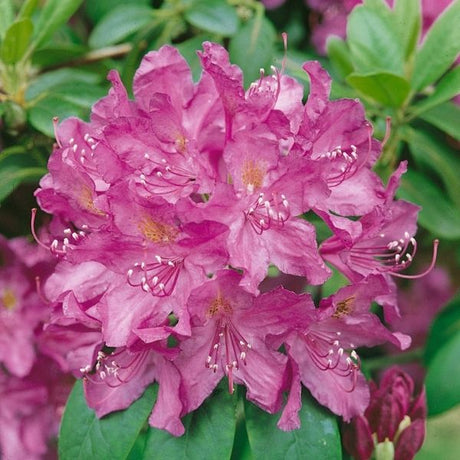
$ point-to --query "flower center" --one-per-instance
(85, 200)
(252, 175)
(344, 307)
(8, 299)
(157, 232)
(226, 338)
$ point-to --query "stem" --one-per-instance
(381, 362)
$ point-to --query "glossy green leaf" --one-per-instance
(438, 215)
(97, 10)
(84, 436)
(66, 100)
(387, 88)
(436, 155)
(59, 53)
(439, 49)
(17, 165)
(443, 378)
(27, 9)
(373, 39)
(447, 88)
(10, 178)
(6, 16)
(338, 52)
(188, 49)
(445, 117)
(442, 441)
(209, 432)
(253, 47)
(121, 22)
(215, 16)
(445, 327)
(16, 41)
(407, 19)
(54, 14)
(47, 82)
(317, 438)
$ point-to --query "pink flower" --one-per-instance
(21, 308)
(31, 410)
(394, 420)
(229, 327)
(324, 351)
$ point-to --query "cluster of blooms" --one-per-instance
(168, 211)
(393, 425)
(33, 388)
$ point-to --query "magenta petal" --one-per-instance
(168, 407)
(410, 440)
(289, 419)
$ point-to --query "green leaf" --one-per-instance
(439, 49)
(445, 117)
(27, 9)
(442, 440)
(215, 16)
(16, 41)
(443, 378)
(407, 19)
(387, 88)
(373, 39)
(97, 10)
(253, 47)
(84, 436)
(47, 82)
(438, 215)
(121, 22)
(68, 99)
(209, 432)
(447, 88)
(437, 155)
(188, 49)
(445, 327)
(318, 436)
(54, 14)
(6, 16)
(17, 165)
(10, 178)
(338, 52)
(58, 53)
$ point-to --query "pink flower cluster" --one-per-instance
(168, 211)
(33, 389)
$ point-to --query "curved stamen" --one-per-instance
(159, 278)
(328, 355)
(428, 270)
(387, 131)
(264, 214)
(55, 126)
(165, 178)
(108, 371)
(236, 348)
(70, 238)
(391, 258)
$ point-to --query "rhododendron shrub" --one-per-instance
(170, 208)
